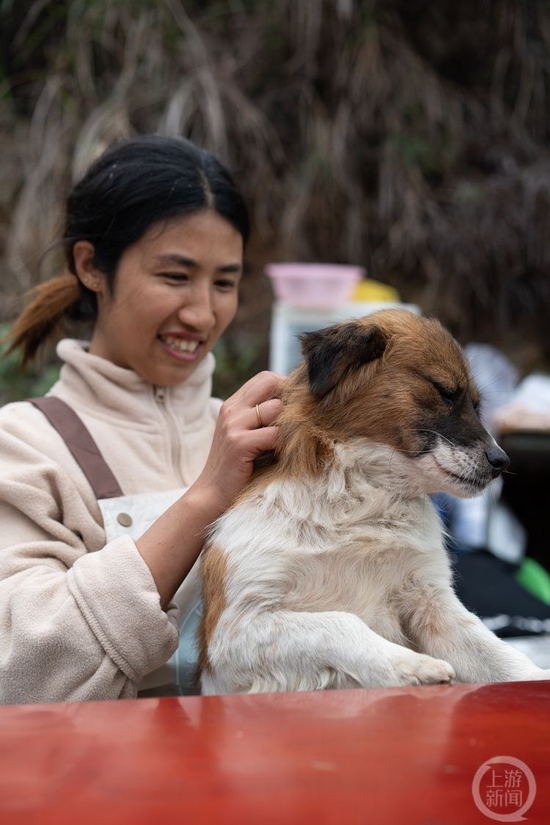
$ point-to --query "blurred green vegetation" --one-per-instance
(17, 383)
(236, 362)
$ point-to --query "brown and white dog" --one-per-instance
(330, 570)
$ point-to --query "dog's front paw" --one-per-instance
(418, 669)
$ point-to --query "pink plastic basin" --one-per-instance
(314, 285)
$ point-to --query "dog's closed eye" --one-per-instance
(447, 393)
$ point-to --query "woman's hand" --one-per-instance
(239, 439)
(171, 545)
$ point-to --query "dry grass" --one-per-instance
(404, 136)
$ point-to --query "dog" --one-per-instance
(330, 570)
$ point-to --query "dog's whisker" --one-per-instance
(434, 432)
(403, 451)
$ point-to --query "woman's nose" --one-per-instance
(197, 311)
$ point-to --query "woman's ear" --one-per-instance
(86, 271)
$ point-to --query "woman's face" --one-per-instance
(175, 292)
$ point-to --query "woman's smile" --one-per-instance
(185, 348)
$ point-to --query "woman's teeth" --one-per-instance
(180, 344)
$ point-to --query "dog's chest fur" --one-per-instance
(340, 543)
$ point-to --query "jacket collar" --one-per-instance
(98, 384)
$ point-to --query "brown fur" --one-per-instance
(214, 568)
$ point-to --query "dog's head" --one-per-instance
(401, 381)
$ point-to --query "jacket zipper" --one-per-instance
(173, 434)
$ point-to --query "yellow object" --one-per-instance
(367, 290)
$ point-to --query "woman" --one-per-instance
(154, 241)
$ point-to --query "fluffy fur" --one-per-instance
(330, 570)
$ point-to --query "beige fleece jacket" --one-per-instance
(81, 619)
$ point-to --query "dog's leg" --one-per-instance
(439, 625)
(287, 651)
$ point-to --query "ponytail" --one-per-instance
(52, 303)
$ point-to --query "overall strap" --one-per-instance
(81, 444)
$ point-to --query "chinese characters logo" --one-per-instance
(504, 789)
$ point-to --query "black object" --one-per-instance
(486, 585)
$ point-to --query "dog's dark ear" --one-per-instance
(332, 352)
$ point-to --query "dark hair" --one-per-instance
(126, 191)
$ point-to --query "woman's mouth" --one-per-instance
(180, 347)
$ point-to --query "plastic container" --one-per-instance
(314, 285)
(368, 290)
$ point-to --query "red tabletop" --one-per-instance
(398, 756)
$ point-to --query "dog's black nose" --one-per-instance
(498, 460)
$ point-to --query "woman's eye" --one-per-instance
(226, 283)
(179, 277)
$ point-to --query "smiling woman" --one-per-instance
(108, 485)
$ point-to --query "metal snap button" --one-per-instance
(124, 519)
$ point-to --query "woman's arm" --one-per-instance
(79, 619)
(172, 544)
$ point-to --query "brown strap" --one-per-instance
(81, 444)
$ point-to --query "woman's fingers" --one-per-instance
(265, 413)
(261, 387)
(255, 404)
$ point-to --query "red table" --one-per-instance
(399, 756)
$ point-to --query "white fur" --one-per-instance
(343, 581)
